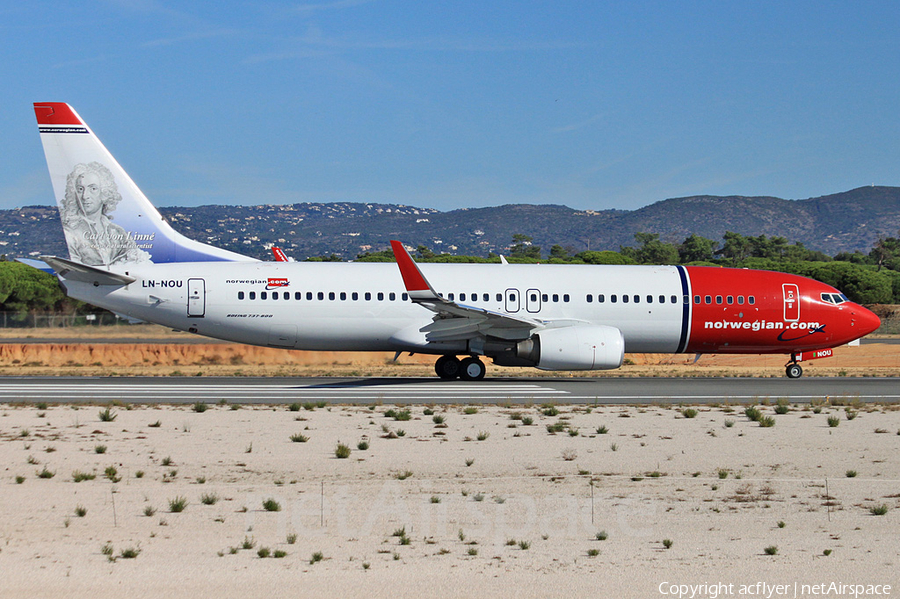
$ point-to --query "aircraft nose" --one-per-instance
(866, 320)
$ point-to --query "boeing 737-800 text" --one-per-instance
(124, 257)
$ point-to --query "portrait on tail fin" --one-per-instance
(86, 212)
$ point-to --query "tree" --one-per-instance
(522, 247)
(697, 249)
(737, 247)
(652, 250)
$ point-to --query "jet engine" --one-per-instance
(574, 348)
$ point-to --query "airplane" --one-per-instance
(124, 257)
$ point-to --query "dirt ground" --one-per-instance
(79, 351)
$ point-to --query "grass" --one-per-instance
(279, 553)
(851, 473)
(771, 550)
(294, 407)
(879, 510)
(524, 545)
(602, 535)
(167, 461)
(362, 445)
(299, 438)
(248, 543)
(602, 430)
(469, 410)
(111, 473)
(527, 420)
(834, 421)
(549, 410)
(482, 435)
(107, 415)
(149, 511)
(46, 473)
(178, 504)
(438, 419)
(80, 511)
(270, 505)
(200, 407)
(342, 452)
(263, 552)
(753, 413)
(99, 448)
(435, 499)
(689, 413)
(79, 476)
(291, 538)
(667, 543)
(472, 551)
(316, 557)
(767, 421)
(593, 552)
(20, 479)
(403, 475)
(209, 499)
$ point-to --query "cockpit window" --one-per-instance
(834, 298)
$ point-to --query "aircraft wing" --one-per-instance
(75, 271)
(455, 321)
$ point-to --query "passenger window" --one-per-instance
(544, 298)
(380, 296)
(730, 299)
(708, 299)
(309, 295)
(649, 299)
(686, 299)
(696, 299)
(393, 296)
(253, 295)
(662, 299)
(740, 300)
(298, 296)
(624, 299)
(368, 296)
(613, 298)
(566, 297)
(240, 295)
(601, 298)
(673, 299)
(462, 297)
(718, 299)
(751, 300)
(450, 296)
(556, 297)
(263, 295)
(485, 297)
(590, 298)
(274, 295)
(354, 296)
(637, 299)
(343, 296)
(320, 295)
(533, 297)
(404, 297)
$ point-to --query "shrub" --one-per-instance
(20, 479)
(294, 407)
(149, 511)
(833, 421)
(602, 430)
(263, 552)
(342, 451)
(279, 553)
(46, 473)
(200, 407)
(469, 462)
(469, 410)
(130, 553)
(209, 499)
(248, 543)
(767, 421)
(851, 473)
(362, 445)
(80, 511)
(438, 419)
(472, 551)
(99, 448)
(851, 414)
(753, 413)
(404, 475)
(879, 510)
(593, 552)
(178, 504)
(291, 538)
(782, 409)
(316, 557)
(107, 415)
(111, 473)
(270, 505)
(689, 413)
(729, 423)
(156, 424)
(79, 476)
(602, 535)
(482, 435)
(528, 421)
(403, 415)
(299, 438)
(771, 550)
(667, 543)
(549, 410)
(524, 545)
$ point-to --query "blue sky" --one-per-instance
(446, 105)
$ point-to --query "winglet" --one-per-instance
(416, 285)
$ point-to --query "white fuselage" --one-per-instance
(363, 306)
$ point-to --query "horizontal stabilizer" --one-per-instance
(73, 271)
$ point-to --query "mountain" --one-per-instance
(847, 221)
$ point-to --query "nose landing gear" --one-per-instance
(793, 370)
(450, 367)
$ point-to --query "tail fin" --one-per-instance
(107, 220)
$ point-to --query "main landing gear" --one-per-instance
(468, 369)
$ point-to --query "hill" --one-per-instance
(847, 221)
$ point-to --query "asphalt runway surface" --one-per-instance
(367, 391)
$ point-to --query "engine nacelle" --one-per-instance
(574, 348)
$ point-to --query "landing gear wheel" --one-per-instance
(447, 367)
(472, 369)
(793, 371)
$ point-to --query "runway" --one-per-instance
(367, 391)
